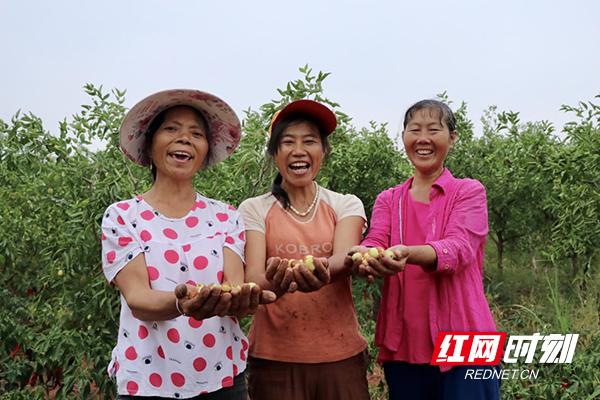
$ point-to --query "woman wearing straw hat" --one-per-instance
(177, 339)
(307, 344)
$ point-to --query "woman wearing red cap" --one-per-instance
(307, 344)
(175, 340)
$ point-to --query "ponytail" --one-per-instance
(279, 193)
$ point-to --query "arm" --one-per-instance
(347, 234)
(380, 230)
(465, 231)
(280, 279)
(145, 303)
(233, 268)
(148, 304)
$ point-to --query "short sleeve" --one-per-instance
(253, 218)
(120, 243)
(235, 236)
(350, 206)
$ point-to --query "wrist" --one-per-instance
(179, 308)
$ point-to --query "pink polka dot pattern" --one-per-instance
(191, 222)
(222, 217)
(172, 356)
(155, 380)
(147, 215)
(173, 335)
(199, 364)
(227, 381)
(200, 262)
(209, 340)
(142, 332)
(153, 273)
(160, 352)
(177, 379)
(124, 241)
(194, 323)
(130, 353)
(145, 236)
(171, 256)
(170, 233)
(132, 388)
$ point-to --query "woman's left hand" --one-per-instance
(308, 281)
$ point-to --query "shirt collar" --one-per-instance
(442, 183)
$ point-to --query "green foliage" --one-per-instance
(60, 318)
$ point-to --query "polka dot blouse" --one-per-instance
(182, 357)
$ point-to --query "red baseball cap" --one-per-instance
(319, 112)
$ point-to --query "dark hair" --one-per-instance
(273, 147)
(157, 122)
(444, 112)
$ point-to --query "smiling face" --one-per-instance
(427, 141)
(299, 154)
(180, 144)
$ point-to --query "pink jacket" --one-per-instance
(457, 228)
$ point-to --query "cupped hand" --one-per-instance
(206, 302)
(310, 281)
(386, 264)
(281, 276)
(356, 266)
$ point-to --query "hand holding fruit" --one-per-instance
(204, 302)
(310, 273)
(281, 276)
(376, 261)
(356, 263)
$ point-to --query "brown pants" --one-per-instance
(340, 380)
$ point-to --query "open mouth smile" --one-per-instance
(181, 156)
(299, 168)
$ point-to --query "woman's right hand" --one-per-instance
(280, 275)
(202, 303)
(356, 266)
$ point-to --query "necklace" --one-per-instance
(312, 205)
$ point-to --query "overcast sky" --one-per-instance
(527, 56)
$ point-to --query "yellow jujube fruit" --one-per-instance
(309, 262)
(373, 252)
(357, 257)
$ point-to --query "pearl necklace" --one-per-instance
(312, 205)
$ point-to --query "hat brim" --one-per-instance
(223, 124)
(319, 112)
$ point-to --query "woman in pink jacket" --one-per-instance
(436, 225)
